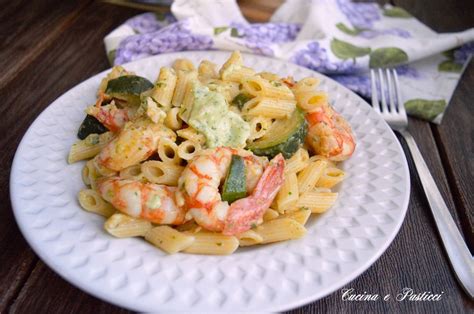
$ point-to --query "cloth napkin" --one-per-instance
(339, 38)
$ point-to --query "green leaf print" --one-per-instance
(387, 57)
(235, 33)
(424, 108)
(345, 29)
(111, 56)
(345, 50)
(160, 16)
(450, 66)
(449, 54)
(218, 30)
(396, 12)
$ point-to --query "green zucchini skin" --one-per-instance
(235, 184)
(90, 125)
(128, 84)
(240, 100)
(285, 138)
(128, 88)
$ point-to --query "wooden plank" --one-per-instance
(46, 77)
(28, 28)
(22, 37)
(455, 138)
(258, 11)
(46, 292)
(17, 257)
(441, 16)
(268, 6)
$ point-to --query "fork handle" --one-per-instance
(458, 252)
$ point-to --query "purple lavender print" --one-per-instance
(175, 37)
(260, 37)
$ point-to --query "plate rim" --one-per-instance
(298, 302)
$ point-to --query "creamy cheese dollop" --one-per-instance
(210, 115)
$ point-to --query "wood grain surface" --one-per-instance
(50, 46)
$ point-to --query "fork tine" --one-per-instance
(375, 101)
(391, 98)
(400, 105)
(383, 100)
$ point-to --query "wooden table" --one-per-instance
(50, 46)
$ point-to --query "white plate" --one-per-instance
(339, 246)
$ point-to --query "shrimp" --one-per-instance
(137, 141)
(159, 204)
(200, 185)
(110, 116)
(329, 134)
(248, 211)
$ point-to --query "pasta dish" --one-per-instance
(205, 160)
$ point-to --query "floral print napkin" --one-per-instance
(339, 38)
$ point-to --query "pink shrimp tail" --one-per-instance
(247, 211)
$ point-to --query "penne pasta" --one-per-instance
(89, 147)
(92, 173)
(308, 84)
(168, 151)
(161, 173)
(249, 237)
(133, 172)
(269, 107)
(317, 202)
(330, 163)
(301, 215)
(257, 86)
(183, 65)
(188, 101)
(309, 101)
(227, 88)
(123, 226)
(281, 229)
(270, 214)
(288, 195)
(297, 162)
(269, 76)
(85, 175)
(188, 149)
(258, 127)
(173, 120)
(237, 74)
(91, 201)
(330, 177)
(165, 84)
(168, 239)
(212, 243)
(310, 175)
(207, 70)
(191, 134)
(233, 70)
(184, 81)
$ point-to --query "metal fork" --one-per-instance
(393, 112)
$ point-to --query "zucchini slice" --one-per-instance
(235, 184)
(240, 100)
(284, 136)
(90, 125)
(128, 88)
